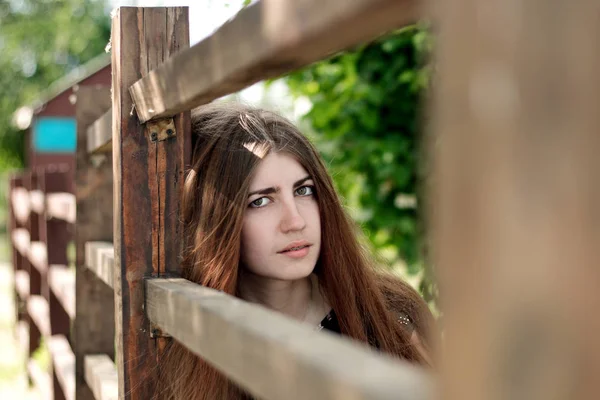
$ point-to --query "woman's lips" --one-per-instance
(302, 252)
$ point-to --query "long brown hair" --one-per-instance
(229, 141)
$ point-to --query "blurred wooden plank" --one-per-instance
(149, 177)
(20, 204)
(94, 326)
(63, 363)
(22, 334)
(20, 239)
(287, 360)
(100, 259)
(38, 256)
(37, 308)
(101, 376)
(41, 380)
(99, 134)
(22, 284)
(36, 201)
(61, 280)
(61, 206)
(265, 40)
(515, 198)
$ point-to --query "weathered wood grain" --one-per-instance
(94, 328)
(63, 364)
(285, 361)
(101, 375)
(148, 181)
(514, 201)
(100, 259)
(99, 134)
(265, 40)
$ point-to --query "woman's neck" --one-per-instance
(299, 299)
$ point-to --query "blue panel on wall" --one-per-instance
(54, 135)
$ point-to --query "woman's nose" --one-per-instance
(291, 219)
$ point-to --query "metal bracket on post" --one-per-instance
(161, 129)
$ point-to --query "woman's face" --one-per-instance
(281, 234)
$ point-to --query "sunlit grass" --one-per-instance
(12, 359)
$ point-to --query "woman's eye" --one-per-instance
(305, 191)
(263, 201)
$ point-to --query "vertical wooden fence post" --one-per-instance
(56, 234)
(148, 178)
(515, 202)
(53, 236)
(17, 259)
(94, 327)
(35, 277)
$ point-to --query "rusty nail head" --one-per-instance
(170, 131)
(154, 136)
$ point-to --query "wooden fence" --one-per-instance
(513, 201)
(134, 163)
(43, 213)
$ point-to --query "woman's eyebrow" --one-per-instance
(268, 190)
(301, 181)
(271, 190)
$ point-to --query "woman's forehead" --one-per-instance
(277, 168)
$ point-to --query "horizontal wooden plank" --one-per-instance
(22, 284)
(41, 380)
(61, 280)
(99, 135)
(63, 362)
(38, 310)
(100, 258)
(286, 359)
(19, 198)
(61, 206)
(38, 256)
(36, 201)
(264, 41)
(101, 376)
(20, 239)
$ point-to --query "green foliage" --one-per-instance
(40, 41)
(365, 117)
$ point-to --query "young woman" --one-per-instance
(264, 223)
